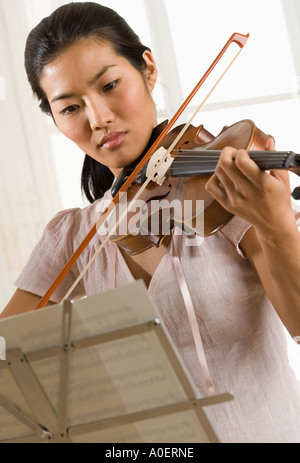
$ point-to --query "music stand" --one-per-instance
(99, 369)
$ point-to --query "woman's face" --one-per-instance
(101, 102)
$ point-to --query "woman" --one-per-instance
(94, 77)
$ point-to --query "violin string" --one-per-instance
(216, 156)
(199, 158)
(189, 164)
(211, 163)
(152, 178)
(218, 151)
(205, 154)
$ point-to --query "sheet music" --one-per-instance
(107, 380)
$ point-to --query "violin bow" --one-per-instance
(241, 41)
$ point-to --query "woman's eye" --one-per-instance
(70, 109)
(110, 86)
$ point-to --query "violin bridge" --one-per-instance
(158, 166)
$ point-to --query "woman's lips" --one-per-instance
(112, 140)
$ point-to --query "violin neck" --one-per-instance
(197, 162)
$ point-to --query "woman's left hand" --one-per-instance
(240, 186)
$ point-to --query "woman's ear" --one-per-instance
(151, 69)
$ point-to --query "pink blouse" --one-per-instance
(243, 337)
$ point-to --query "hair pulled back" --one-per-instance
(53, 35)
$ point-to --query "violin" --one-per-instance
(194, 159)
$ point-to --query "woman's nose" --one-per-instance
(100, 116)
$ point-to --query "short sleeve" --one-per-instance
(234, 231)
(49, 257)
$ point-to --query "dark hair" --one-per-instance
(53, 35)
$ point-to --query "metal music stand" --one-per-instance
(99, 369)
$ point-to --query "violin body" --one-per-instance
(185, 185)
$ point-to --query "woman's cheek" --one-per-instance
(72, 129)
(133, 101)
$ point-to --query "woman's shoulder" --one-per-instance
(78, 221)
(62, 235)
